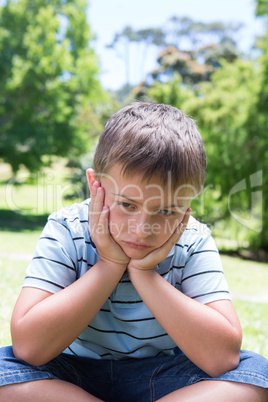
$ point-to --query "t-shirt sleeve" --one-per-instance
(53, 266)
(203, 277)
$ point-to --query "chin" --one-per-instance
(136, 254)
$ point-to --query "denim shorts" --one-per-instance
(130, 380)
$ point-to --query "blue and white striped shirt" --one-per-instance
(124, 327)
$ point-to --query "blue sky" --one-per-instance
(106, 17)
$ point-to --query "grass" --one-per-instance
(248, 284)
(246, 278)
(12, 274)
(23, 213)
(253, 318)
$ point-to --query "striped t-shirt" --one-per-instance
(124, 327)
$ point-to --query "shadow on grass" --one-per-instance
(13, 221)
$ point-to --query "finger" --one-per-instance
(186, 218)
(98, 200)
(103, 234)
(181, 227)
(103, 225)
(96, 206)
(93, 194)
(160, 254)
(176, 235)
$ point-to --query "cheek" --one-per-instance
(117, 222)
(167, 228)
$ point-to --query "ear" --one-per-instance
(90, 178)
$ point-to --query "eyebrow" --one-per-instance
(139, 203)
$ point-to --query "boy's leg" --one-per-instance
(220, 391)
(66, 378)
(247, 383)
(176, 378)
(45, 391)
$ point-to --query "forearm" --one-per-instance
(202, 333)
(51, 325)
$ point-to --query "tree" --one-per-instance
(171, 61)
(261, 7)
(48, 73)
(124, 38)
(193, 49)
(171, 92)
(221, 108)
(185, 33)
(146, 37)
(258, 120)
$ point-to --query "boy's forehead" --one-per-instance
(134, 185)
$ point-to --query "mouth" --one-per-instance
(137, 245)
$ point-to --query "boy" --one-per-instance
(125, 298)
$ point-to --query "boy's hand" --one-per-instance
(150, 261)
(108, 249)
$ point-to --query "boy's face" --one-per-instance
(143, 215)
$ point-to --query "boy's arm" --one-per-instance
(44, 324)
(210, 335)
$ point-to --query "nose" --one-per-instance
(141, 226)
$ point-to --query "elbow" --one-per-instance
(24, 348)
(26, 353)
(227, 363)
(228, 358)
(22, 354)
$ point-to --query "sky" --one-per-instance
(107, 17)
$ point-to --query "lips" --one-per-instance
(137, 245)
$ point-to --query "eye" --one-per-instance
(124, 204)
(165, 212)
(128, 208)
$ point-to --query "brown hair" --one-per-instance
(153, 139)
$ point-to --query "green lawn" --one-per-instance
(22, 216)
(248, 283)
(246, 278)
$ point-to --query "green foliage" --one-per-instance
(221, 109)
(172, 92)
(48, 73)
(261, 7)
(257, 125)
(78, 180)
